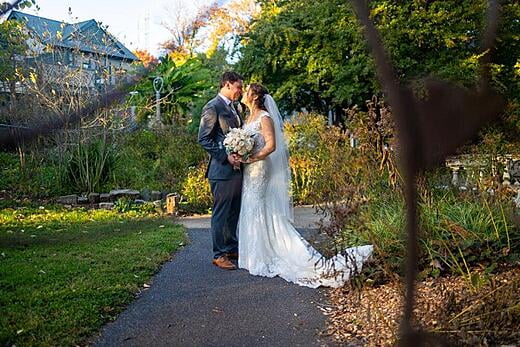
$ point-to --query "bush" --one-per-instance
(91, 164)
(38, 175)
(10, 173)
(125, 204)
(458, 230)
(196, 192)
(157, 159)
(458, 233)
(318, 154)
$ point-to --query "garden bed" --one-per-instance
(450, 308)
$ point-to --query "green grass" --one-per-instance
(457, 233)
(65, 273)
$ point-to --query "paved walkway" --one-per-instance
(193, 303)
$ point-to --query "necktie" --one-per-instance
(235, 112)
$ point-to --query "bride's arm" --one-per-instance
(270, 140)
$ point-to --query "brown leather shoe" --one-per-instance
(232, 256)
(224, 263)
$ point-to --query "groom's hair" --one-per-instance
(231, 77)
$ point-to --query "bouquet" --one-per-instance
(239, 141)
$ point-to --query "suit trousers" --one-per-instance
(227, 196)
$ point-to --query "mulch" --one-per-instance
(448, 308)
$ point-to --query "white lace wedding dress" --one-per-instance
(269, 245)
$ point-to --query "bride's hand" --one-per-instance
(249, 160)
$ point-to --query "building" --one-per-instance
(82, 54)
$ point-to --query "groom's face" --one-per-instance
(235, 89)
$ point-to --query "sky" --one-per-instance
(137, 24)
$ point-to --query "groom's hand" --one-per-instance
(234, 160)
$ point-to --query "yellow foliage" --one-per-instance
(196, 190)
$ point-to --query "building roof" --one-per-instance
(87, 36)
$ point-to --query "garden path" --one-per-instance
(193, 303)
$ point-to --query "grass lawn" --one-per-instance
(64, 273)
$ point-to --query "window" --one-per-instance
(70, 58)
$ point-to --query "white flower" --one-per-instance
(239, 141)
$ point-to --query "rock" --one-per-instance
(139, 201)
(82, 200)
(93, 198)
(68, 199)
(106, 205)
(164, 194)
(517, 200)
(514, 170)
(146, 195)
(104, 197)
(156, 195)
(119, 193)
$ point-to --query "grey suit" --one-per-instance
(226, 183)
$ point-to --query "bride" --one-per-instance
(269, 245)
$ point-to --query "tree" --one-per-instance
(184, 85)
(183, 28)
(146, 58)
(5, 7)
(13, 44)
(312, 54)
(14, 47)
(227, 24)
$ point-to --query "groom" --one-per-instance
(218, 117)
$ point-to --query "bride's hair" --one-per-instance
(259, 90)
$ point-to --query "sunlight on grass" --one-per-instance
(64, 273)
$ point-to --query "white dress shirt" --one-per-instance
(230, 104)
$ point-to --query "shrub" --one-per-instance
(316, 153)
(458, 230)
(91, 165)
(39, 176)
(125, 204)
(10, 170)
(196, 192)
(157, 159)
(458, 233)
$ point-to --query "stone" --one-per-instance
(156, 195)
(94, 198)
(455, 176)
(106, 205)
(506, 177)
(139, 201)
(119, 193)
(514, 170)
(146, 194)
(68, 199)
(82, 200)
(164, 195)
(104, 197)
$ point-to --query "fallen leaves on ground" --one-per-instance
(448, 307)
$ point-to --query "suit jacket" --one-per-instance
(216, 120)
